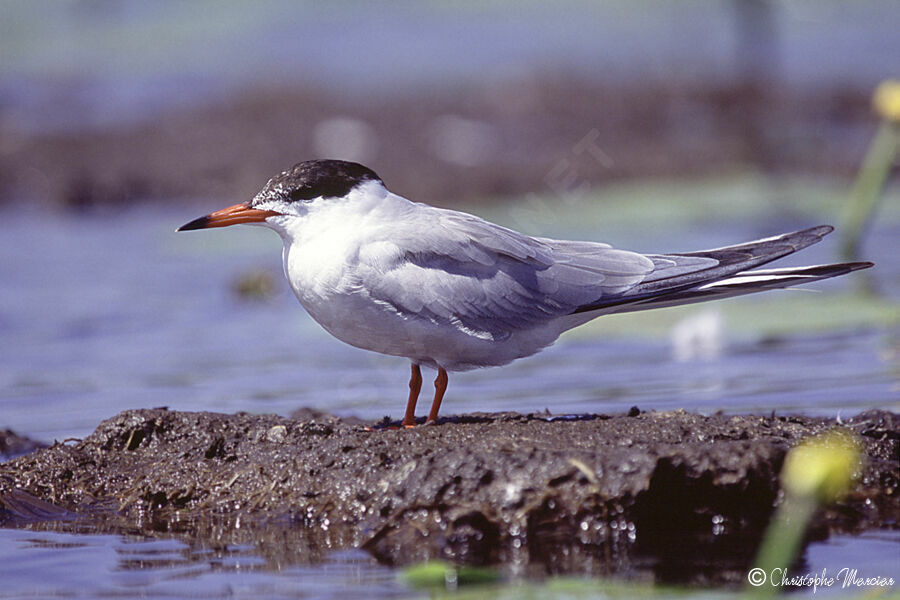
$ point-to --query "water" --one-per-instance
(112, 566)
(103, 313)
(836, 557)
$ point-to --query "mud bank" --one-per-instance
(669, 496)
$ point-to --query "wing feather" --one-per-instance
(456, 269)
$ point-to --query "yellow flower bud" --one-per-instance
(823, 467)
(887, 100)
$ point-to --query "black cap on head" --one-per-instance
(317, 178)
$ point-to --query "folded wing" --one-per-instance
(491, 281)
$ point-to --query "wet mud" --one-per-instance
(673, 497)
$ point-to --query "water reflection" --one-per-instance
(90, 565)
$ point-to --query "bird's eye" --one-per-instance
(301, 193)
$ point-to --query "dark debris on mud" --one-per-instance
(651, 493)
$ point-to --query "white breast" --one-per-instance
(326, 253)
(334, 252)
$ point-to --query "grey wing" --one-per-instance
(457, 269)
(491, 281)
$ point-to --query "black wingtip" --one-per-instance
(199, 223)
(856, 266)
(825, 271)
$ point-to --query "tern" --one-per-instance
(450, 291)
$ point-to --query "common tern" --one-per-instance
(451, 291)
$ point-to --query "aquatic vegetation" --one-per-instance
(816, 472)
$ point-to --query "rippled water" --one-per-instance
(103, 313)
(113, 566)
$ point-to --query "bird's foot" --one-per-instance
(386, 426)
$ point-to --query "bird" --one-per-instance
(451, 291)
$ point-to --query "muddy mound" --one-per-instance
(649, 492)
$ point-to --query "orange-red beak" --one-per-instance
(233, 215)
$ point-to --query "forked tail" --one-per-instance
(748, 282)
(685, 278)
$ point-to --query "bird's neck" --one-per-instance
(321, 248)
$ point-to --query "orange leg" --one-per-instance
(415, 385)
(440, 386)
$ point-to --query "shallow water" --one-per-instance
(103, 313)
(112, 566)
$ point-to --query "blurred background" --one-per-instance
(104, 102)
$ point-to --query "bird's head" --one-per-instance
(291, 193)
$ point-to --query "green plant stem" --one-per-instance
(867, 188)
(782, 541)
